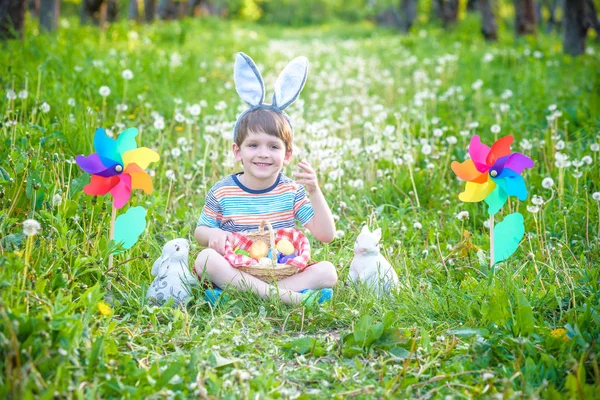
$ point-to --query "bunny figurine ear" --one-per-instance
(377, 234)
(290, 82)
(248, 81)
(157, 264)
(365, 229)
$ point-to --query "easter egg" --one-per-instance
(242, 252)
(285, 247)
(267, 262)
(285, 259)
(258, 250)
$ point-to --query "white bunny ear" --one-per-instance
(290, 82)
(157, 264)
(248, 82)
(377, 234)
(365, 229)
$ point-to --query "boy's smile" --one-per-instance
(262, 156)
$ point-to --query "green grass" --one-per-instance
(372, 99)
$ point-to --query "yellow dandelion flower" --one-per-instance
(179, 128)
(19, 254)
(131, 116)
(104, 308)
(560, 333)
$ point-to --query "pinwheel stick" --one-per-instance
(111, 235)
(491, 241)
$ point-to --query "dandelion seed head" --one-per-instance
(104, 91)
(547, 183)
(127, 75)
(462, 215)
(31, 227)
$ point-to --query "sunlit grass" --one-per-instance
(382, 116)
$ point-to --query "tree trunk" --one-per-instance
(472, 5)
(162, 8)
(525, 23)
(594, 21)
(133, 12)
(100, 11)
(49, 13)
(551, 5)
(34, 8)
(577, 22)
(447, 11)
(408, 14)
(149, 10)
(389, 17)
(191, 6)
(489, 28)
(12, 18)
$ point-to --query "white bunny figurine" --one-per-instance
(369, 265)
(173, 276)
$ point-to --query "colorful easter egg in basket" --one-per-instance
(285, 247)
(259, 250)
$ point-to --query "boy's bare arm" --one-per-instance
(213, 238)
(322, 225)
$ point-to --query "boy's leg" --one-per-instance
(221, 273)
(317, 276)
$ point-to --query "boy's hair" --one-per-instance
(267, 121)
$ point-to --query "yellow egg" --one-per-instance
(285, 247)
(259, 250)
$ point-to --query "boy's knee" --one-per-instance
(328, 274)
(202, 263)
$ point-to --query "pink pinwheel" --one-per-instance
(118, 166)
(492, 174)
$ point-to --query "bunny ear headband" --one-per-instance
(251, 88)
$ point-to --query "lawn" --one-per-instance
(382, 116)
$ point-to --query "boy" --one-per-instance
(263, 144)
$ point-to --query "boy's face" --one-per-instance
(262, 155)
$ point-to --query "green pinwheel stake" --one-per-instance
(493, 174)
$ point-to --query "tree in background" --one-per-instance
(408, 12)
(49, 13)
(99, 11)
(12, 18)
(551, 5)
(489, 27)
(401, 17)
(525, 18)
(472, 5)
(149, 10)
(580, 15)
(446, 10)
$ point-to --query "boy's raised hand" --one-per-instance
(308, 177)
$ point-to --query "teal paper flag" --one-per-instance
(507, 236)
(496, 200)
(129, 226)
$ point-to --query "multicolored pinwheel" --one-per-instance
(118, 166)
(492, 174)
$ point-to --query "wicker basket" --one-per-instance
(264, 272)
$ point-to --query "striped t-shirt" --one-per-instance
(232, 207)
